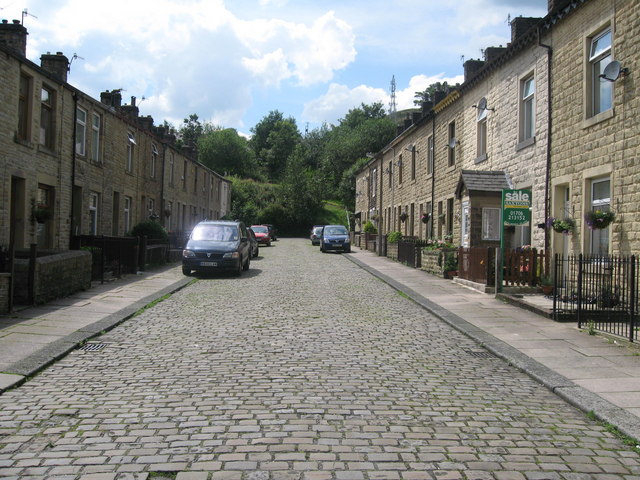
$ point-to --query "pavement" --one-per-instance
(594, 373)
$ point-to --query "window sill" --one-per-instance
(525, 143)
(601, 117)
(480, 159)
(47, 151)
(22, 141)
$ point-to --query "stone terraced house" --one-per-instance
(535, 114)
(71, 164)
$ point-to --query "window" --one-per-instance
(184, 176)
(154, 159)
(600, 200)
(93, 213)
(171, 175)
(127, 213)
(81, 131)
(95, 137)
(490, 224)
(24, 108)
(390, 173)
(599, 58)
(464, 226)
(481, 125)
(400, 169)
(430, 155)
(131, 143)
(449, 216)
(151, 208)
(452, 142)
(374, 182)
(413, 162)
(527, 110)
(46, 118)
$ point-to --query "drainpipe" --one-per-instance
(73, 168)
(548, 166)
(380, 215)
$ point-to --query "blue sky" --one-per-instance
(233, 61)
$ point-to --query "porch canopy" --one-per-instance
(474, 182)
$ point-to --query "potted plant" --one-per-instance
(369, 227)
(167, 212)
(394, 237)
(566, 225)
(599, 219)
(403, 216)
(546, 283)
(425, 217)
(450, 266)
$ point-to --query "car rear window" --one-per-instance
(215, 233)
(259, 229)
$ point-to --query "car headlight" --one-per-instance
(346, 240)
(188, 254)
(231, 255)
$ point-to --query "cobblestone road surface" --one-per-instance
(305, 368)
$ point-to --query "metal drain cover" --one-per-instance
(92, 347)
(481, 354)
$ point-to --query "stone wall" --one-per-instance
(392, 251)
(5, 279)
(57, 275)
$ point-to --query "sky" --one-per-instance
(231, 62)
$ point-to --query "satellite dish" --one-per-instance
(613, 70)
(482, 104)
(453, 142)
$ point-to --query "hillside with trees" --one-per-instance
(283, 177)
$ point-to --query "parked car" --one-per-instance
(316, 233)
(262, 234)
(272, 231)
(335, 237)
(217, 245)
(255, 248)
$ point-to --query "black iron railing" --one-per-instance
(600, 293)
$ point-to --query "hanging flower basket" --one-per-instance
(425, 218)
(41, 214)
(167, 213)
(403, 217)
(566, 225)
(599, 219)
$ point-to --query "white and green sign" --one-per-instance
(516, 207)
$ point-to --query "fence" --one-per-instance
(523, 268)
(599, 292)
(111, 255)
(410, 251)
(477, 265)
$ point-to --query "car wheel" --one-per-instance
(257, 252)
(347, 250)
(238, 271)
(247, 263)
(321, 248)
(186, 271)
(269, 244)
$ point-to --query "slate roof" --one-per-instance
(483, 181)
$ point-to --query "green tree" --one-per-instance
(227, 153)
(191, 130)
(428, 94)
(274, 139)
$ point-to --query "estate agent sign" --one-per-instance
(516, 207)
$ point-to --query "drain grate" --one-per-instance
(92, 347)
(481, 354)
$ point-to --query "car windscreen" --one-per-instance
(260, 229)
(335, 231)
(215, 233)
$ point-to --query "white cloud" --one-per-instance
(338, 100)
(419, 83)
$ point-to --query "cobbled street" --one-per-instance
(306, 367)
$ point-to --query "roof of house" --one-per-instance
(483, 181)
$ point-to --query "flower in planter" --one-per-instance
(41, 214)
(566, 225)
(403, 216)
(425, 217)
(599, 219)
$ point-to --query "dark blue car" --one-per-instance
(335, 237)
(217, 245)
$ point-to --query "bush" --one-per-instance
(394, 237)
(151, 229)
(369, 227)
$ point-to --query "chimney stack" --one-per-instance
(14, 36)
(491, 53)
(521, 25)
(438, 96)
(112, 99)
(57, 65)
